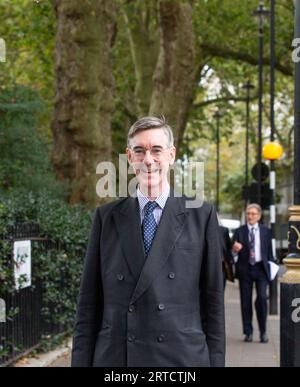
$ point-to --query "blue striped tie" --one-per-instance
(149, 226)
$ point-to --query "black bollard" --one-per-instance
(290, 297)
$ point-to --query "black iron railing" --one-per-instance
(25, 325)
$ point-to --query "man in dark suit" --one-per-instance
(151, 292)
(253, 244)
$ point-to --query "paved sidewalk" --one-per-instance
(239, 353)
(59, 357)
(62, 361)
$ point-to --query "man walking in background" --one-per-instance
(253, 245)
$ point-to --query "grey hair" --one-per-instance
(254, 205)
(146, 123)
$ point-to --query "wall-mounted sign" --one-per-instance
(22, 264)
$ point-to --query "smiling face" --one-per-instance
(150, 155)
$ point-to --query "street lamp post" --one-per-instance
(273, 285)
(273, 151)
(248, 87)
(261, 12)
(272, 68)
(218, 116)
(290, 284)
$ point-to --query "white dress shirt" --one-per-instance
(256, 240)
(160, 200)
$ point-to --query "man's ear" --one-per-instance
(129, 155)
(172, 155)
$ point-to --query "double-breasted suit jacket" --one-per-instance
(161, 311)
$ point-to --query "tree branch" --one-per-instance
(227, 53)
(223, 99)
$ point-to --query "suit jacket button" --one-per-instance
(131, 338)
(131, 308)
(161, 338)
(171, 275)
(161, 307)
(120, 277)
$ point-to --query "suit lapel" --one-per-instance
(127, 220)
(170, 228)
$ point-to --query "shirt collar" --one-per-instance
(160, 200)
(255, 226)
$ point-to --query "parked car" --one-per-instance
(231, 224)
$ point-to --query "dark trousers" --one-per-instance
(257, 275)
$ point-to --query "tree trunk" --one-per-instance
(176, 70)
(141, 22)
(84, 95)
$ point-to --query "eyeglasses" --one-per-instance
(156, 152)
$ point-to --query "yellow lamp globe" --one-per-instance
(272, 151)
